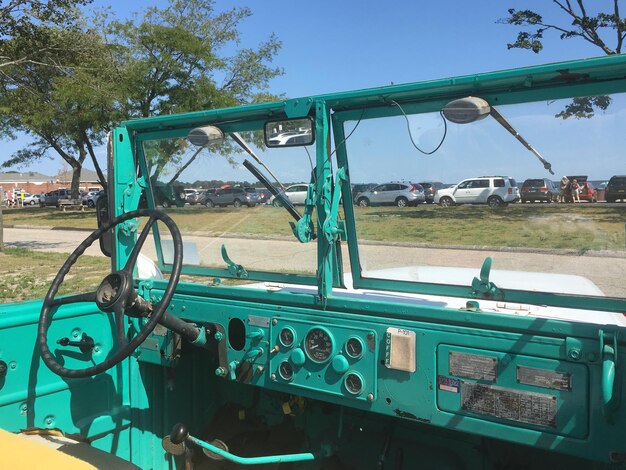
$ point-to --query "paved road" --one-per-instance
(606, 271)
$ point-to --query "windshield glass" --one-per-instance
(217, 202)
(560, 238)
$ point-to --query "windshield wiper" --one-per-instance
(287, 204)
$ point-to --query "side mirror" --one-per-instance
(289, 133)
(102, 216)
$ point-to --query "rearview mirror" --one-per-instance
(289, 133)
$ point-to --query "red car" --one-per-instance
(587, 193)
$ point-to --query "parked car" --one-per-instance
(263, 194)
(357, 189)
(231, 196)
(193, 197)
(616, 189)
(203, 195)
(53, 197)
(31, 199)
(540, 189)
(88, 200)
(401, 194)
(492, 190)
(587, 191)
(296, 193)
(168, 195)
(430, 189)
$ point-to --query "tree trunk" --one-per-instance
(76, 170)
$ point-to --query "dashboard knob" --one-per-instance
(340, 364)
(179, 433)
(297, 357)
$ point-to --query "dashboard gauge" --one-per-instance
(285, 370)
(354, 347)
(287, 337)
(354, 383)
(318, 345)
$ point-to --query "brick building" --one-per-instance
(35, 183)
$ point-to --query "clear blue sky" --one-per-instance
(338, 45)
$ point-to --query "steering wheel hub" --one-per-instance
(114, 291)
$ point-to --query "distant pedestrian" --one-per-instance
(565, 189)
(575, 188)
(22, 196)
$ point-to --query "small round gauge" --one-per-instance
(287, 337)
(354, 383)
(285, 370)
(318, 345)
(354, 347)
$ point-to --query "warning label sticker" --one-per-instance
(506, 403)
(544, 378)
(473, 366)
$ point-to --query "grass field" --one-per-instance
(28, 274)
(580, 227)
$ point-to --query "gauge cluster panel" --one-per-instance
(325, 358)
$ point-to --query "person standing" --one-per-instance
(575, 188)
(565, 188)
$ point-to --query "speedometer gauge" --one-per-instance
(318, 345)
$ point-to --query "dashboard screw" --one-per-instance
(370, 397)
(273, 377)
(274, 321)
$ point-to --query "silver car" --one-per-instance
(400, 194)
(296, 193)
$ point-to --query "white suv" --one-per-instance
(492, 190)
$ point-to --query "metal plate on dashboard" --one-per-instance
(254, 320)
(506, 403)
(544, 378)
(472, 366)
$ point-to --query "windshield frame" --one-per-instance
(346, 119)
(241, 125)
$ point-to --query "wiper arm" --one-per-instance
(242, 143)
(272, 189)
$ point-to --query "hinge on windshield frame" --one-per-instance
(233, 268)
(332, 228)
(304, 229)
(482, 287)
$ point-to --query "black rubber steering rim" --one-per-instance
(127, 348)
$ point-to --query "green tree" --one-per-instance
(580, 20)
(65, 103)
(24, 17)
(172, 59)
(179, 59)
